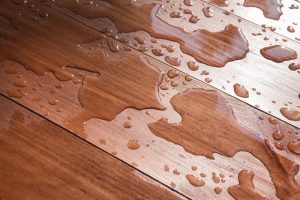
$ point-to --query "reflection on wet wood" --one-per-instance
(39, 160)
(110, 94)
(205, 42)
(286, 12)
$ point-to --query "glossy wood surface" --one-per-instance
(40, 160)
(195, 139)
(271, 85)
(288, 18)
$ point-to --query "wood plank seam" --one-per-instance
(94, 146)
(276, 111)
(178, 69)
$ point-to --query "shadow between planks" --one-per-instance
(271, 85)
(40, 160)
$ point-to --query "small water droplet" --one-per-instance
(196, 182)
(240, 90)
(294, 146)
(278, 135)
(127, 125)
(133, 144)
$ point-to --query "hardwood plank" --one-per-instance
(287, 10)
(270, 85)
(81, 101)
(40, 160)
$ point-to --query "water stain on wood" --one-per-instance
(197, 134)
(271, 8)
(212, 48)
(245, 189)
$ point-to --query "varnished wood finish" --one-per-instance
(39, 160)
(265, 80)
(73, 97)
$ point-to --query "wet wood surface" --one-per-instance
(284, 21)
(132, 101)
(270, 83)
(40, 160)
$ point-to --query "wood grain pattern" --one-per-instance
(127, 136)
(39, 160)
(271, 85)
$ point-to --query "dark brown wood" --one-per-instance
(109, 93)
(39, 160)
(205, 40)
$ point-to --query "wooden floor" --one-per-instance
(121, 99)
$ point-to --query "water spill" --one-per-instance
(188, 2)
(290, 29)
(218, 190)
(294, 146)
(208, 80)
(174, 83)
(290, 114)
(187, 78)
(194, 19)
(204, 72)
(187, 11)
(19, 2)
(245, 189)
(173, 61)
(127, 125)
(52, 101)
(175, 14)
(133, 144)
(196, 182)
(293, 6)
(172, 73)
(221, 3)
(279, 145)
(271, 8)
(166, 168)
(278, 53)
(113, 45)
(157, 52)
(38, 59)
(272, 120)
(169, 48)
(202, 174)
(164, 86)
(140, 40)
(173, 185)
(59, 86)
(278, 135)
(176, 172)
(198, 134)
(212, 48)
(240, 90)
(192, 65)
(215, 178)
(207, 11)
(294, 66)
(125, 82)
(20, 83)
(16, 93)
(143, 48)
